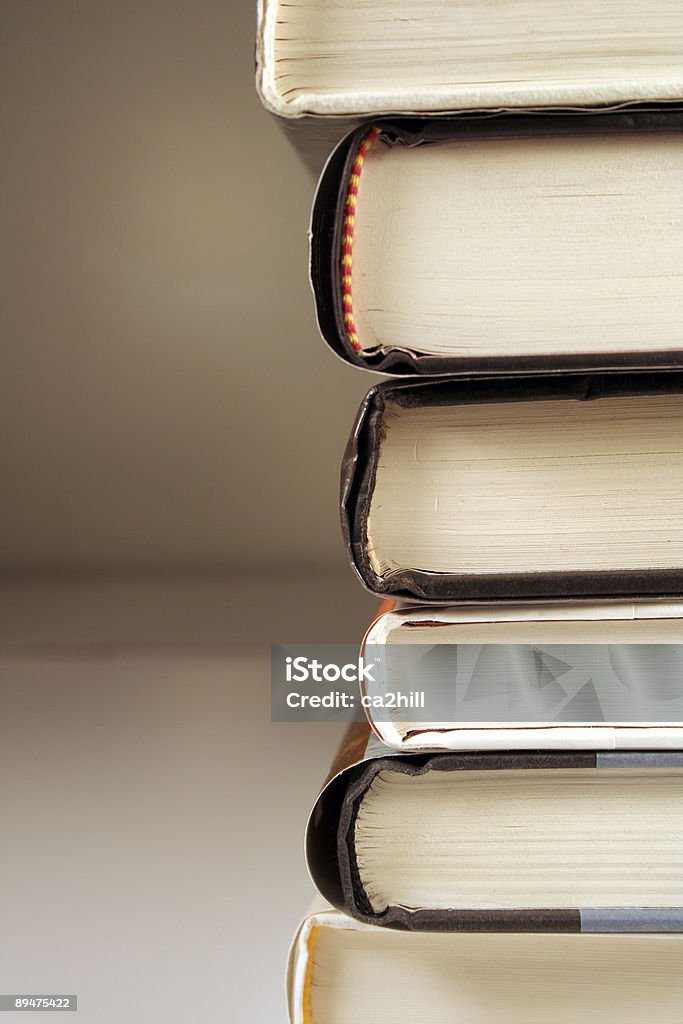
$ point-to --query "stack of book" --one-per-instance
(502, 231)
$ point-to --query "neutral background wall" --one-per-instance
(165, 397)
(171, 427)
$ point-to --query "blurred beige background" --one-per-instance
(170, 440)
(165, 393)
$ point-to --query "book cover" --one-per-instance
(590, 675)
(552, 841)
(506, 244)
(539, 487)
(341, 970)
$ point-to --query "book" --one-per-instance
(343, 971)
(319, 63)
(597, 676)
(506, 244)
(527, 487)
(531, 841)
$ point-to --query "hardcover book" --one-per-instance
(596, 676)
(503, 244)
(537, 487)
(343, 971)
(534, 841)
(322, 66)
